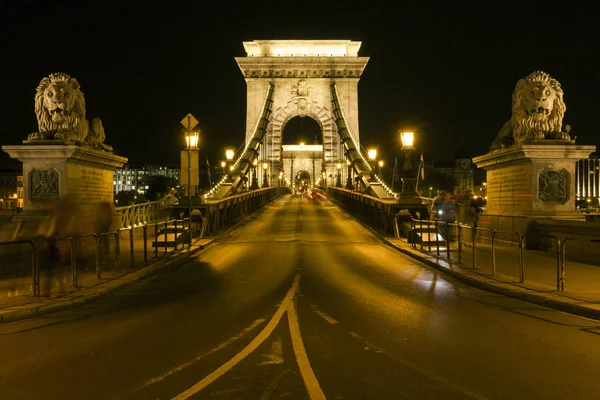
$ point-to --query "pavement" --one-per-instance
(581, 295)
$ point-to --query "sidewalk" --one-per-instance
(22, 307)
(581, 295)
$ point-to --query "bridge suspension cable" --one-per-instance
(232, 182)
(370, 182)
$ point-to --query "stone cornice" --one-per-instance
(302, 67)
(541, 150)
(61, 152)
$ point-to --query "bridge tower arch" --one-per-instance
(301, 73)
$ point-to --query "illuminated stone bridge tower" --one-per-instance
(302, 72)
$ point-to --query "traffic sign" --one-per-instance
(189, 122)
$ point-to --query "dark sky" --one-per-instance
(448, 72)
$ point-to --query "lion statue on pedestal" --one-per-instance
(60, 111)
(538, 109)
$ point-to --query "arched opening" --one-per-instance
(302, 129)
(302, 181)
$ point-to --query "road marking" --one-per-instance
(454, 386)
(308, 375)
(253, 345)
(275, 356)
(321, 314)
(201, 356)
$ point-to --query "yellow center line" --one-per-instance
(253, 345)
(308, 375)
(201, 356)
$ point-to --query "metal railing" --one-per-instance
(494, 233)
(561, 247)
(143, 213)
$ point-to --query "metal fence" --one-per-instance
(454, 249)
(58, 265)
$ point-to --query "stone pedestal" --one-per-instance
(536, 179)
(408, 195)
(54, 173)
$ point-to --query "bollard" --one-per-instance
(131, 248)
(97, 239)
(118, 251)
(73, 263)
(166, 229)
(145, 233)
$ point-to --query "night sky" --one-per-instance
(448, 72)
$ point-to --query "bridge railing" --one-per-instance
(55, 266)
(383, 215)
(220, 213)
(144, 213)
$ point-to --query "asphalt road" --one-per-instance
(302, 302)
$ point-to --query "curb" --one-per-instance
(44, 307)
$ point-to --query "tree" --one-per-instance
(437, 181)
(159, 186)
(125, 198)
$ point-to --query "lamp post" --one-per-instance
(408, 193)
(380, 163)
(349, 184)
(265, 177)
(191, 141)
(338, 182)
(372, 155)
(229, 154)
(254, 184)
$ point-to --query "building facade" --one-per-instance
(11, 190)
(460, 169)
(587, 178)
(135, 178)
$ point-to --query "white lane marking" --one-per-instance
(275, 356)
(201, 356)
(308, 375)
(321, 314)
(253, 345)
(454, 386)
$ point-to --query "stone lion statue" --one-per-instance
(60, 111)
(538, 109)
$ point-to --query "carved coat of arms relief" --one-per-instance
(300, 94)
(553, 186)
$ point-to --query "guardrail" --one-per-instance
(561, 247)
(143, 213)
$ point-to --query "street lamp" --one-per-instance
(408, 193)
(254, 184)
(338, 183)
(380, 163)
(191, 142)
(372, 153)
(265, 177)
(349, 184)
(408, 138)
(229, 154)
